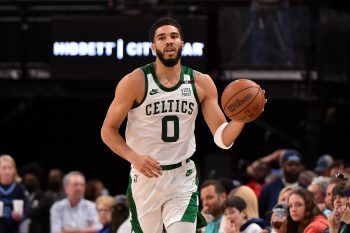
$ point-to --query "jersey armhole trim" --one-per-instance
(135, 105)
(193, 83)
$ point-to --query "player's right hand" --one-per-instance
(148, 166)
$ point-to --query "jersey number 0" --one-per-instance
(167, 122)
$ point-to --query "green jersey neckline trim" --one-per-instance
(155, 78)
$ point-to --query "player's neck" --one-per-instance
(168, 76)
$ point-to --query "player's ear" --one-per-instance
(153, 48)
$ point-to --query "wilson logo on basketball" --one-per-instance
(232, 107)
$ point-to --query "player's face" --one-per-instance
(168, 45)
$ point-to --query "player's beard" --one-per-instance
(170, 62)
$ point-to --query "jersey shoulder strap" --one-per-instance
(188, 78)
(147, 69)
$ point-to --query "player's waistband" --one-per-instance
(175, 165)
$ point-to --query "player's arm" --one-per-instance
(213, 115)
(128, 91)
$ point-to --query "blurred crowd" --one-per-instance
(69, 205)
(275, 193)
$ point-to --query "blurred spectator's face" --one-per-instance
(233, 215)
(316, 190)
(75, 188)
(336, 170)
(291, 170)
(104, 214)
(55, 175)
(284, 196)
(340, 202)
(7, 172)
(211, 201)
(31, 182)
(259, 170)
(99, 188)
(328, 199)
(296, 207)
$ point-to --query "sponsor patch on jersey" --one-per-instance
(186, 91)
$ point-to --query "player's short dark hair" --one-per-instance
(164, 21)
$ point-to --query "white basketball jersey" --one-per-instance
(163, 124)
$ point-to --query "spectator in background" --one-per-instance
(285, 193)
(74, 213)
(338, 199)
(323, 165)
(94, 189)
(257, 172)
(291, 166)
(212, 195)
(237, 219)
(318, 188)
(229, 184)
(120, 212)
(338, 178)
(10, 190)
(104, 206)
(339, 222)
(305, 178)
(248, 195)
(337, 167)
(281, 204)
(260, 171)
(304, 214)
(38, 218)
(55, 187)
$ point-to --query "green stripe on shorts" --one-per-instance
(191, 210)
(135, 224)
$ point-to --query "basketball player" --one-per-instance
(161, 102)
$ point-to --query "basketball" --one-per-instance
(243, 100)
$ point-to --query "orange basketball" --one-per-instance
(243, 100)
